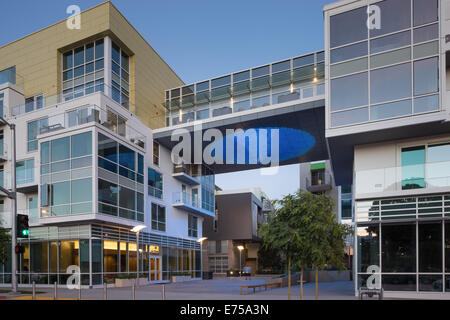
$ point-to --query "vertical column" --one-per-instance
(108, 66)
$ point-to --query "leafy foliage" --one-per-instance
(5, 242)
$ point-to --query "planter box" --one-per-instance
(181, 278)
(120, 283)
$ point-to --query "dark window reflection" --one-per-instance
(425, 11)
(447, 247)
(368, 247)
(399, 282)
(398, 248)
(430, 283)
(430, 247)
(348, 27)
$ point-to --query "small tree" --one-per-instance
(5, 240)
(283, 231)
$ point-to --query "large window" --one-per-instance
(430, 247)
(413, 167)
(155, 153)
(192, 226)
(368, 247)
(120, 76)
(158, 217)
(66, 175)
(398, 248)
(119, 197)
(25, 171)
(207, 189)
(155, 184)
(403, 77)
(83, 70)
(34, 129)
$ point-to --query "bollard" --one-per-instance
(79, 291)
(164, 292)
(34, 291)
(105, 291)
(55, 291)
(133, 291)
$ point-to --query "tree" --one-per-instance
(305, 229)
(5, 241)
(283, 232)
(326, 236)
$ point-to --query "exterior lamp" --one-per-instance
(200, 240)
(137, 229)
(240, 248)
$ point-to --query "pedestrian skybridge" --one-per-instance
(283, 101)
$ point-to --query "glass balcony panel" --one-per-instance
(188, 116)
(261, 83)
(202, 97)
(222, 81)
(303, 61)
(281, 66)
(188, 101)
(304, 74)
(241, 76)
(220, 93)
(242, 104)
(241, 88)
(203, 86)
(259, 72)
(260, 102)
(282, 78)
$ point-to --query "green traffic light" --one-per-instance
(25, 232)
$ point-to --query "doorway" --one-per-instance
(155, 269)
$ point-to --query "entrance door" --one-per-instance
(155, 268)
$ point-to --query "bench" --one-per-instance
(260, 286)
(364, 291)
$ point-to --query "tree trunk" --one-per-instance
(317, 283)
(301, 282)
(289, 278)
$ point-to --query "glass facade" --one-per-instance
(111, 254)
(158, 217)
(120, 74)
(120, 184)
(83, 70)
(155, 184)
(25, 171)
(289, 80)
(208, 189)
(397, 64)
(192, 226)
(66, 176)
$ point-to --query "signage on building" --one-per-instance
(153, 249)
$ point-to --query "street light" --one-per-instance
(137, 229)
(12, 195)
(240, 259)
(201, 252)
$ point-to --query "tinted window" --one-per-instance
(398, 248)
(349, 52)
(390, 110)
(348, 27)
(350, 91)
(390, 83)
(395, 16)
(81, 144)
(413, 168)
(260, 71)
(390, 42)
(304, 61)
(349, 117)
(426, 76)
(107, 192)
(426, 33)
(281, 66)
(425, 11)
(60, 149)
(430, 247)
(107, 148)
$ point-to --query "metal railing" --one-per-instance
(11, 76)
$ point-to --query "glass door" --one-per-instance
(155, 269)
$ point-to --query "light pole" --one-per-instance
(201, 252)
(240, 259)
(12, 195)
(137, 230)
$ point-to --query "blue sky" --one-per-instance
(201, 39)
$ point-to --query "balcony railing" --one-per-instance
(391, 179)
(10, 76)
(71, 119)
(187, 199)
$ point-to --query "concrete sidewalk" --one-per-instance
(217, 289)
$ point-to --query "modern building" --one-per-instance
(374, 103)
(239, 213)
(387, 126)
(84, 103)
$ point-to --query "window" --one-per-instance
(398, 248)
(390, 83)
(348, 27)
(318, 177)
(438, 165)
(2, 141)
(1, 105)
(83, 70)
(192, 226)
(34, 103)
(425, 11)
(426, 76)
(108, 196)
(349, 52)
(158, 217)
(66, 175)
(396, 16)
(120, 76)
(25, 171)
(413, 167)
(350, 91)
(430, 247)
(155, 184)
(156, 153)
(2, 176)
(368, 247)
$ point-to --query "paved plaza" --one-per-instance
(216, 289)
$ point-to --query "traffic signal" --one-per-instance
(20, 249)
(22, 226)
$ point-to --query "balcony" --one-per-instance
(72, 118)
(319, 183)
(187, 174)
(413, 179)
(189, 202)
(10, 76)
